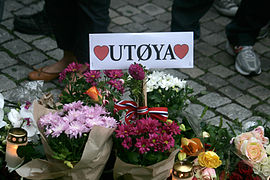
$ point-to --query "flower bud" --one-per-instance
(69, 164)
(93, 93)
(182, 127)
(181, 156)
(205, 134)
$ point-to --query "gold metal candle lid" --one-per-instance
(17, 136)
(183, 166)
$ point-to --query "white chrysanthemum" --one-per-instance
(165, 81)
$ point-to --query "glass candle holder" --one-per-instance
(182, 170)
(16, 137)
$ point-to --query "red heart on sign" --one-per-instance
(101, 52)
(181, 50)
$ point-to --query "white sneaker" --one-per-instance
(226, 7)
(246, 61)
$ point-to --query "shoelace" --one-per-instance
(248, 52)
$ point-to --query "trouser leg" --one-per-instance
(187, 13)
(73, 20)
(93, 17)
(250, 18)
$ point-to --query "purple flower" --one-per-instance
(127, 143)
(113, 73)
(27, 105)
(117, 84)
(73, 106)
(57, 129)
(75, 129)
(142, 144)
(167, 142)
(91, 76)
(72, 67)
(76, 119)
(171, 128)
(153, 139)
(136, 71)
(122, 131)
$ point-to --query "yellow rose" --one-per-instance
(209, 159)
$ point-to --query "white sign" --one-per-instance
(152, 50)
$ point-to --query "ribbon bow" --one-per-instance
(154, 112)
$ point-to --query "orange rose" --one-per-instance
(191, 147)
(93, 93)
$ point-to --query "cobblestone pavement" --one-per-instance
(215, 82)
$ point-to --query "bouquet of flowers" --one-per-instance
(67, 131)
(76, 132)
(253, 146)
(164, 90)
(91, 86)
(146, 142)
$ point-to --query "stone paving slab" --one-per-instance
(215, 82)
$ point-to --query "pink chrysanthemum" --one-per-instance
(91, 76)
(117, 84)
(142, 144)
(76, 119)
(127, 143)
(114, 74)
(136, 71)
(72, 67)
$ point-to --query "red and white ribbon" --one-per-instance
(160, 113)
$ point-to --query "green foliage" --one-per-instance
(31, 151)
(67, 149)
(135, 87)
(219, 141)
(136, 158)
(174, 100)
(76, 90)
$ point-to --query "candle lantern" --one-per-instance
(16, 137)
(182, 170)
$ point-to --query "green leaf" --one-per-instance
(133, 157)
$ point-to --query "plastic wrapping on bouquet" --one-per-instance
(16, 137)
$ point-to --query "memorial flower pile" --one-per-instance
(67, 130)
(91, 86)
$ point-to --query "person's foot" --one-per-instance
(49, 73)
(37, 24)
(246, 61)
(226, 7)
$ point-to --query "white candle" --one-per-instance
(12, 159)
(16, 137)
